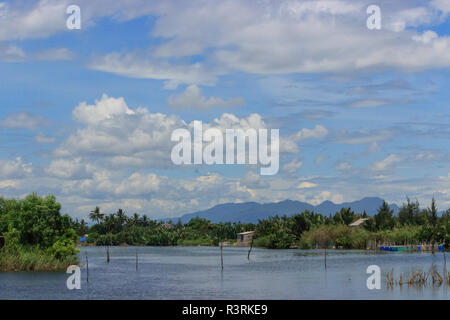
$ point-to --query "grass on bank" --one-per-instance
(33, 259)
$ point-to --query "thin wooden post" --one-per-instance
(445, 264)
(250, 250)
(136, 260)
(325, 256)
(221, 255)
(107, 254)
(87, 269)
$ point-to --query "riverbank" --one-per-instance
(33, 259)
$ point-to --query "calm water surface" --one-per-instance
(195, 273)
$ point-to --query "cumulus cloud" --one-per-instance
(102, 109)
(69, 168)
(192, 98)
(16, 168)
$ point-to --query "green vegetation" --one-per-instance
(118, 229)
(38, 237)
(304, 230)
(308, 229)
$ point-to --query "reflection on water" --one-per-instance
(195, 273)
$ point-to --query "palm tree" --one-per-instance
(95, 215)
(121, 217)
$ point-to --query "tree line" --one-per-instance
(36, 222)
(412, 224)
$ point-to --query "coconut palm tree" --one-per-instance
(95, 215)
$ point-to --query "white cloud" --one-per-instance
(292, 166)
(41, 19)
(344, 166)
(369, 103)
(362, 136)
(426, 37)
(23, 120)
(14, 168)
(11, 53)
(306, 185)
(105, 108)
(58, 54)
(253, 180)
(135, 66)
(388, 163)
(442, 5)
(317, 133)
(192, 98)
(43, 139)
(69, 168)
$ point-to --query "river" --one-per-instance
(195, 273)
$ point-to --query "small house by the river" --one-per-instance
(245, 238)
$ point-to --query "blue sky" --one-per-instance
(87, 114)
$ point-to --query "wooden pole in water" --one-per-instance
(136, 260)
(221, 255)
(87, 269)
(250, 250)
(325, 255)
(107, 254)
(445, 264)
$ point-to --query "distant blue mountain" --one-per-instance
(253, 211)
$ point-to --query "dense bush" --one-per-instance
(38, 236)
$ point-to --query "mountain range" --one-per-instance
(252, 211)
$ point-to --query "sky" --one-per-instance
(87, 114)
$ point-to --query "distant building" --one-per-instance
(167, 225)
(245, 238)
(358, 223)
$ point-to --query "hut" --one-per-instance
(358, 223)
(245, 238)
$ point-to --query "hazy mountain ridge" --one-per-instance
(252, 211)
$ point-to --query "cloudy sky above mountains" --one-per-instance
(87, 114)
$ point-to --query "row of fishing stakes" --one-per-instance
(108, 260)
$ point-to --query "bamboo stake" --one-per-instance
(249, 251)
(136, 260)
(445, 265)
(221, 255)
(87, 269)
(107, 254)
